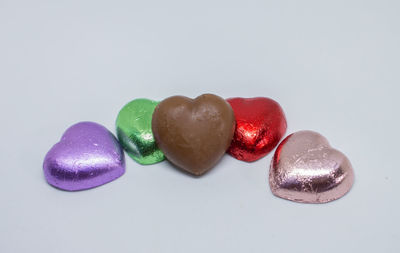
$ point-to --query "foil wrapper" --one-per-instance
(305, 168)
(260, 125)
(87, 156)
(134, 131)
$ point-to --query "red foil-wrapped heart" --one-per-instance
(260, 124)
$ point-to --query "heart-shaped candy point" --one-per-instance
(194, 133)
(305, 168)
(260, 124)
(87, 156)
(134, 131)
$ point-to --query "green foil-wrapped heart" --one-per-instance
(134, 131)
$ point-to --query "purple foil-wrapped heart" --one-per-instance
(87, 156)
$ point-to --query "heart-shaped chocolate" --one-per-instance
(134, 131)
(305, 168)
(194, 133)
(87, 156)
(260, 124)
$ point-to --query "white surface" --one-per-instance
(332, 65)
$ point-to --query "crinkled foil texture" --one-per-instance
(87, 156)
(260, 125)
(135, 134)
(305, 168)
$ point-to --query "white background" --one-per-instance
(332, 65)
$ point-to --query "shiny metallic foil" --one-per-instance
(87, 156)
(305, 168)
(134, 131)
(260, 125)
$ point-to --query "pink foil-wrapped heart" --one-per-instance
(305, 168)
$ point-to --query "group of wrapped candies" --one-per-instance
(194, 134)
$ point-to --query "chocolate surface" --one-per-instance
(194, 133)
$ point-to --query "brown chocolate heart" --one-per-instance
(194, 133)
